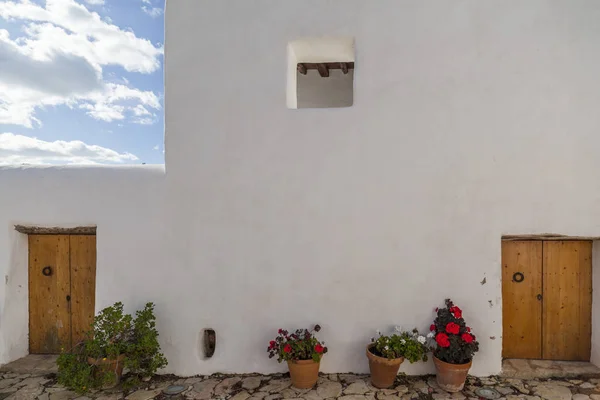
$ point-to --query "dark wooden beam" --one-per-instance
(323, 70)
(324, 67)
(42, 230)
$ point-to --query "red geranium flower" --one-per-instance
(452, 328)
(287, 348)
(442, 340)
(432, 327)
(280, 331)
(272, 344)
(467, 338)
(457, 312)
(468, 329)
(319, 348)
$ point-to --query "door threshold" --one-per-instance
(531, 369)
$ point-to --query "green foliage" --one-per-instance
(410, 345)
(75, 373)
(144, 357)
(112, 334)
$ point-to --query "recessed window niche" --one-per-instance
(321, 72)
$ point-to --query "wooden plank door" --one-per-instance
(49, 286)
(522, 309)
(83, 284)
(567, 306)
(62, 290)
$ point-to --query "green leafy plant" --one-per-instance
(300, 345)
(409, 345)
(144, 357)
(75, 373)
(111, 333)
(113, 336)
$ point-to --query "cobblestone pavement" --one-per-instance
(333, 386)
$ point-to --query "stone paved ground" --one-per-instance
(275, 387)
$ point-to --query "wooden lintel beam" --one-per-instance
(323, 70)
(324, 67)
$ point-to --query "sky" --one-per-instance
(81, 82)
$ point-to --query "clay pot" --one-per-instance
(304, 373)
(383, 370)
(109, 366)
(451, 377)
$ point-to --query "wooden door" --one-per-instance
(522, 309)
(62, 285)
(83, 284)
(547, 315)
(567, 300)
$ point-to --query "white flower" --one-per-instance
(398, 329)
(402, 341)
(421, 339)
(386, 348)
(430, 335)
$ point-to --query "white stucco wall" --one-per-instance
(127, 206)
(314, 91)
(471, 120)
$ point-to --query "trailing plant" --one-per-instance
(112, 335)
(454, 342)
(144, 357)
(409, 345)
(300, 345)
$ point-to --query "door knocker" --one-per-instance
(518, 277)
(47, 271)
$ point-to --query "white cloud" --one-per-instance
(155, 147)
(66, 24)
(19, 149)
(153, 11)
(60, 60)
(95, 2)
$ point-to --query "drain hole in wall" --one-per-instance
(210, 342)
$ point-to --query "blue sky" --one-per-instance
(81, 81)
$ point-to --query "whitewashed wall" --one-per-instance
(471, 120)
(127, 206)
(314, 91)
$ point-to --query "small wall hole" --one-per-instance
(210, 342)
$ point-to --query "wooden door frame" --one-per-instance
(595, 277)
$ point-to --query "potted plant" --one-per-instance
(302, 351)
(386, 353)
(115, 340)
(107, 342)
(453, 348)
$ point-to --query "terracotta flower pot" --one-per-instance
(304, 373)
(383, 370)
(451, 377)
(107, 366)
